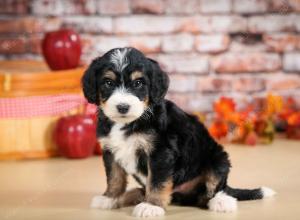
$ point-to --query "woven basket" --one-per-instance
(29, 134)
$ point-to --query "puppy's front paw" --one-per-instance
(103, 202)
(145, 210)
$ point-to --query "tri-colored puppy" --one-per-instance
(169, 152)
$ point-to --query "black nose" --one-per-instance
(123, 108)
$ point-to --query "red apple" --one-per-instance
(62, 49)
(98, 150)
(75, 136)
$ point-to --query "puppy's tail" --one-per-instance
(249, 194)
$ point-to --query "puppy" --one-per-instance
(168, 151)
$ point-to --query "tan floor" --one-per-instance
(62, 189)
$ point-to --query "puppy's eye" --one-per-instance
(109, 83)
(137, 84)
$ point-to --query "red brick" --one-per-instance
(90, 24)
(87, 43)
(113, 7)
(237, 46)
(296, 18)
(178, 98)
(212, 43)
(14, 6)
(291, 62)
(58, 7)
(211, 24)
(13, 45)
(215, 6)
(104, 43)
(193, 102)
(231, 24)
(178, 43)
(148, 6)
(28, 25)
(213, 84)
(23, 56)
(248, 84)
(272, 23)
(95, 46)
(282, 42)
(147, 44)
(182, 83)
(197, 102)
(283, 82)
(250, 6)
(172, 24)
(246, 62)
(146, 24)
(284, 6)
(35, 43)
(48, 24)
(182, 6)
(180, 63)
(195, 24)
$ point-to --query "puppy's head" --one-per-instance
(124, 84)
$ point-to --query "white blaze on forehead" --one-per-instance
(119, 59)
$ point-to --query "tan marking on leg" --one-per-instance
(189, 185)
(117, 181)
(136, 75)
(211, 183)
(160, 196)
(131, 197)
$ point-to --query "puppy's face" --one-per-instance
(122, 81)
(124, 95)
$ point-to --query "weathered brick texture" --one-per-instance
(148, 6)
(212, 43)
(291, 62)
(282, 42)
(14, 6)
(239, 48)
(215, 6)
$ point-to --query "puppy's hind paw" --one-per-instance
(145, 210)
(103, 202)
(221, 202)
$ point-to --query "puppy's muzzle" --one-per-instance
(123, 108)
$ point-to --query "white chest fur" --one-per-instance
(124, 147)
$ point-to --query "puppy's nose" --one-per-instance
(123, 108)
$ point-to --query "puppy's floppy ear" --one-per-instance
(89, 82)
(159, 82)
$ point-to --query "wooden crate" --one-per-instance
(32, 137)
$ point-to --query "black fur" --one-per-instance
(183, 149)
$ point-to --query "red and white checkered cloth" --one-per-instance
(25, 107)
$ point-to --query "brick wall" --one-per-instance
(237, 48)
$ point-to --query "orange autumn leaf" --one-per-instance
(289, 107)
(286, 113)
(294, 119)
(274, 104)
(237, 118)
(218, 129)
(224, 107)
